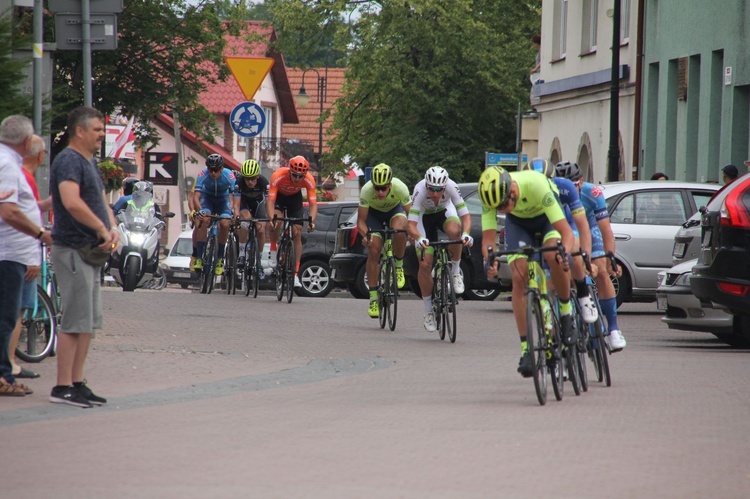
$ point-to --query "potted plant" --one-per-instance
(112, 175)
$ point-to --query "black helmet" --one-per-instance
(127, 185)
(569, 170)
(214, 161)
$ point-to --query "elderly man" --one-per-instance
(20, 232)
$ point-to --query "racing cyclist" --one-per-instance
(251, 191)
(383, 200)
(213, 195)
(602, 246)
(531, 207)
(437, 204)
(285, 193)
(576, 217)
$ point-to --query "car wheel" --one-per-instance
(184, 286)
(622, 286)
(740, 335)
(315, 277)
(481, 294)
(359, 288)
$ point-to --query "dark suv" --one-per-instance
(721, 277)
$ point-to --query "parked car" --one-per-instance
(176, 267)
(721, 277)
(645, 216)
(687, 240)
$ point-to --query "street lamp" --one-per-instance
(302, 98)
(613, 167)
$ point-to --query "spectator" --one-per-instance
(84, 225)
(659, 176)
(537, 69)
(729, 173)
(31, 161)
(20, 230)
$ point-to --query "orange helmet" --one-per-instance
(299, 165)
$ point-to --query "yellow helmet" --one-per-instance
(381, 174)
(250, 168)
(494, 186)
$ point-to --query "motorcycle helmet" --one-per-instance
(127, 185)
(540, 165)
(436, 176)
(494, 186)
(250, 168)
(381, 175)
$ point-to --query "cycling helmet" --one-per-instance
(299, 165)
(540, 165)
(214, 161)
(127, 185)
(436, 176)
(569, 170)
(494, 186)
(250, 168)
(381, 175)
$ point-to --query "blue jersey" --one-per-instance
(221, 187)
(592, 198)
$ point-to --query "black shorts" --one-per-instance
(256, 208)
(292, 205)
(376, 219)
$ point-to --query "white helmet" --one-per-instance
(436, 176)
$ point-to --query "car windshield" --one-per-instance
(183, 247)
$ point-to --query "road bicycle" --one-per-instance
(543, 329)
(598, 349)
(286, 259)
(230, 259)
(210, 255)
(444, 299)
(387, 279)
(250, 272)
(38, 339)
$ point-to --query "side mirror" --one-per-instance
(168, 214)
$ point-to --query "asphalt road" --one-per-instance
(216, 396)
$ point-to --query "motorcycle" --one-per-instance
(135, 261)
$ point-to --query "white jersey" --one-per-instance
(451, 198)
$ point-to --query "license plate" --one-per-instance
(679, 250)
(661, 302)
(139, 220)
(182, 275)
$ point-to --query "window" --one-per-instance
(560, 29)
(183, 247)
(325, 215)
(590, 25)
(624, 21)
(701, 198)
(346, 212)
(268, 130)
(659, 208)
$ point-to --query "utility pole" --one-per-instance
(613, 167)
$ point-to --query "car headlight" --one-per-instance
(683, 280)
(660, 278)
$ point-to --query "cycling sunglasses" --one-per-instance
(298, 175)
(435, 189)
(252, 178)
(381, 188)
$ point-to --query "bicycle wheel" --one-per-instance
(536, 339)
(207, 273)
(571, 364)
(290, 270)
(382, 292)
(38, 330)
(601, 354)
(437, 301)
(556, 360)
(280, 273)
(230, 264)
(581, 347)
(392, 294)
(449, 305)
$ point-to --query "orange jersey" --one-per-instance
(281, 183)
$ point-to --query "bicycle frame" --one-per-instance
(286, 258)
(444, 299)
(387, 279)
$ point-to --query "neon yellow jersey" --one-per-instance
(535, 197)
(399, 193)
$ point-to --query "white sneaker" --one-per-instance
(616, 341)
(272, 259)
(429, 322)
(297, 284)
(588, 310)
(458, 283)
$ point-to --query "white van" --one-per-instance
(177, 264)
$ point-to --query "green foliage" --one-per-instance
(429, 81)
(14, 101)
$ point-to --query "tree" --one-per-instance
(11, 73)
(428, 82)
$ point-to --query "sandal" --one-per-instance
(20, 386)
(8, 390)
(25, 373)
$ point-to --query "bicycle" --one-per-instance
(543, 329)
(251, 270)
(39, 325)
(387, 279)
(210, 255)
(444, 299)
(230, 259)
(597, 348)
(286, 259)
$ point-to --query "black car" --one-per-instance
(721, 277)
(348, 260)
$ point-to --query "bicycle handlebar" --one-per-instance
(440, 244)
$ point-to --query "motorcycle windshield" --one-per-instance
(139, 219)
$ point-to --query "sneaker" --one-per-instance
(458, 283)
(196, 264)
(616, 341)
(429, 322)
(374, 310)
(272, 259)
(297, 283)
(569, 333)
(525, 365)
(588, 310)
(219, 267)
(400, 277)
(86, 392)
(68, 395)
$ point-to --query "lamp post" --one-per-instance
(302, 98)
(613, 167)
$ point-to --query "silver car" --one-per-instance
(645, 217)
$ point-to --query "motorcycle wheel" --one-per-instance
(131, 269)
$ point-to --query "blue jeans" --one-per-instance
(11, 287)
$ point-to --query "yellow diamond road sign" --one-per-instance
(249, 73)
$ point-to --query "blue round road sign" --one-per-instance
(247, 119)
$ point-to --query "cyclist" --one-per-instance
(251, 191)
(383, 200)
(213, 194)
(437, 204)
(530, 207)
(285, 193)
(576, 217)
(602, 246)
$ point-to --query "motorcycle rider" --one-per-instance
(127, 193)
